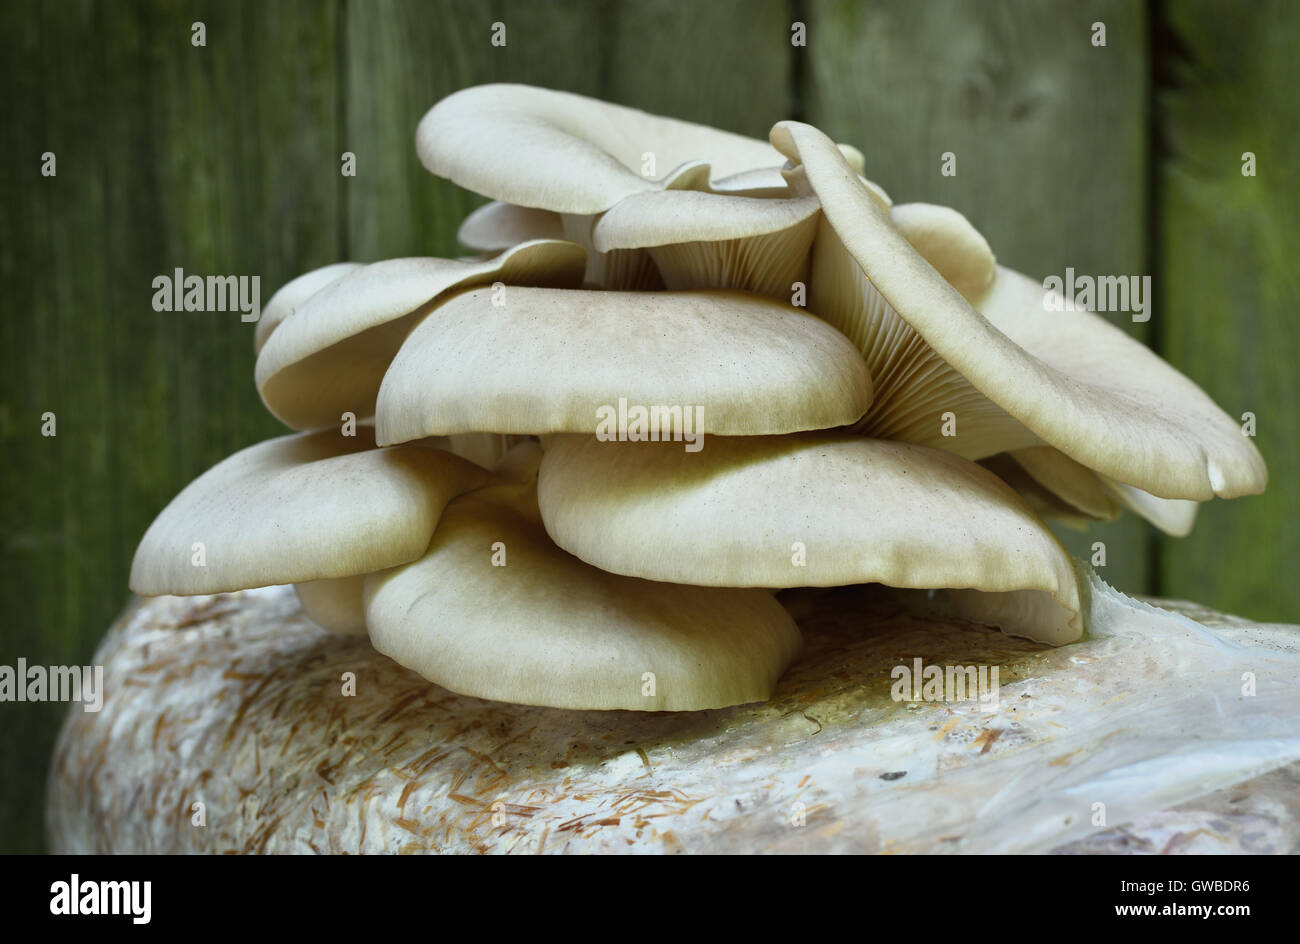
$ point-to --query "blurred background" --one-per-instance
(1122, 159)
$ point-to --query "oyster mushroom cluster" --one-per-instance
(685, 369)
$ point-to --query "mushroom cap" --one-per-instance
(496, 226)
(292, 294)
(812, 510)
(706, 240)
(1076, 485)
(568, 153)
(300, 508)
(336, 604)
(1041, 500)
(547, 629)
(1174, 516)
(948, 241)
(683, 216)
(1070, 379)
(330, 355)
(550, 360)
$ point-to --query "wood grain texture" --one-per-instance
(226, 160)
(725, 64)
(403, 56)
(1049, 134)
(217, 160)
(1228, 253)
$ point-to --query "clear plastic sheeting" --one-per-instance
(235, 700)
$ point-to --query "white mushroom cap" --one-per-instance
(550, 360)
(1073, 483)
(708, 240)
(497, 226)
(948, 242)
(546, 629)
(299, 508)
(1173, 516)
(558, 151)
(336, 604)
(1041, 500)
(1055, 486)
(330, 355)
(619, 270)
(813, 510)
(292, 294)
(1070, 379)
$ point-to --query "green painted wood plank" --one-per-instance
(1228, 251)
(1049, 134)
(725, 63)
(217, 160)
(402, 57)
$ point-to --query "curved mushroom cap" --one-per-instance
(292, 294)
(813, 510)
(562, 361)
(947, 240)
(709, 240)
(330, 355)
(1040, 499)
(299, 508)
(1070, 379)
(916, 390)
(539, 627)
(336, 604)
(1056, 487)
(1173, 516)
(1076, 485)
(763, 182)
(558, 151)
(773, 182)
(497, 226)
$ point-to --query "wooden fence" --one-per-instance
(1120, 159)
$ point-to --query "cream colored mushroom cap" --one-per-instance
(330, 355)
(496, 226)
(546, 629)
(948, 241)
(568, 153)
(685, 216)
(292, 294)
(335, 604)
(812, 510)
(296, 509)
(1071, 378)
(549, 360)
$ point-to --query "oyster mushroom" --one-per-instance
(709, 240)
(548, 360)
(537, 626)
(853, 510)
(292, 294)
(497, 226)
(827, 464)
(330, 355)
(1065, 379)
(303, 509)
